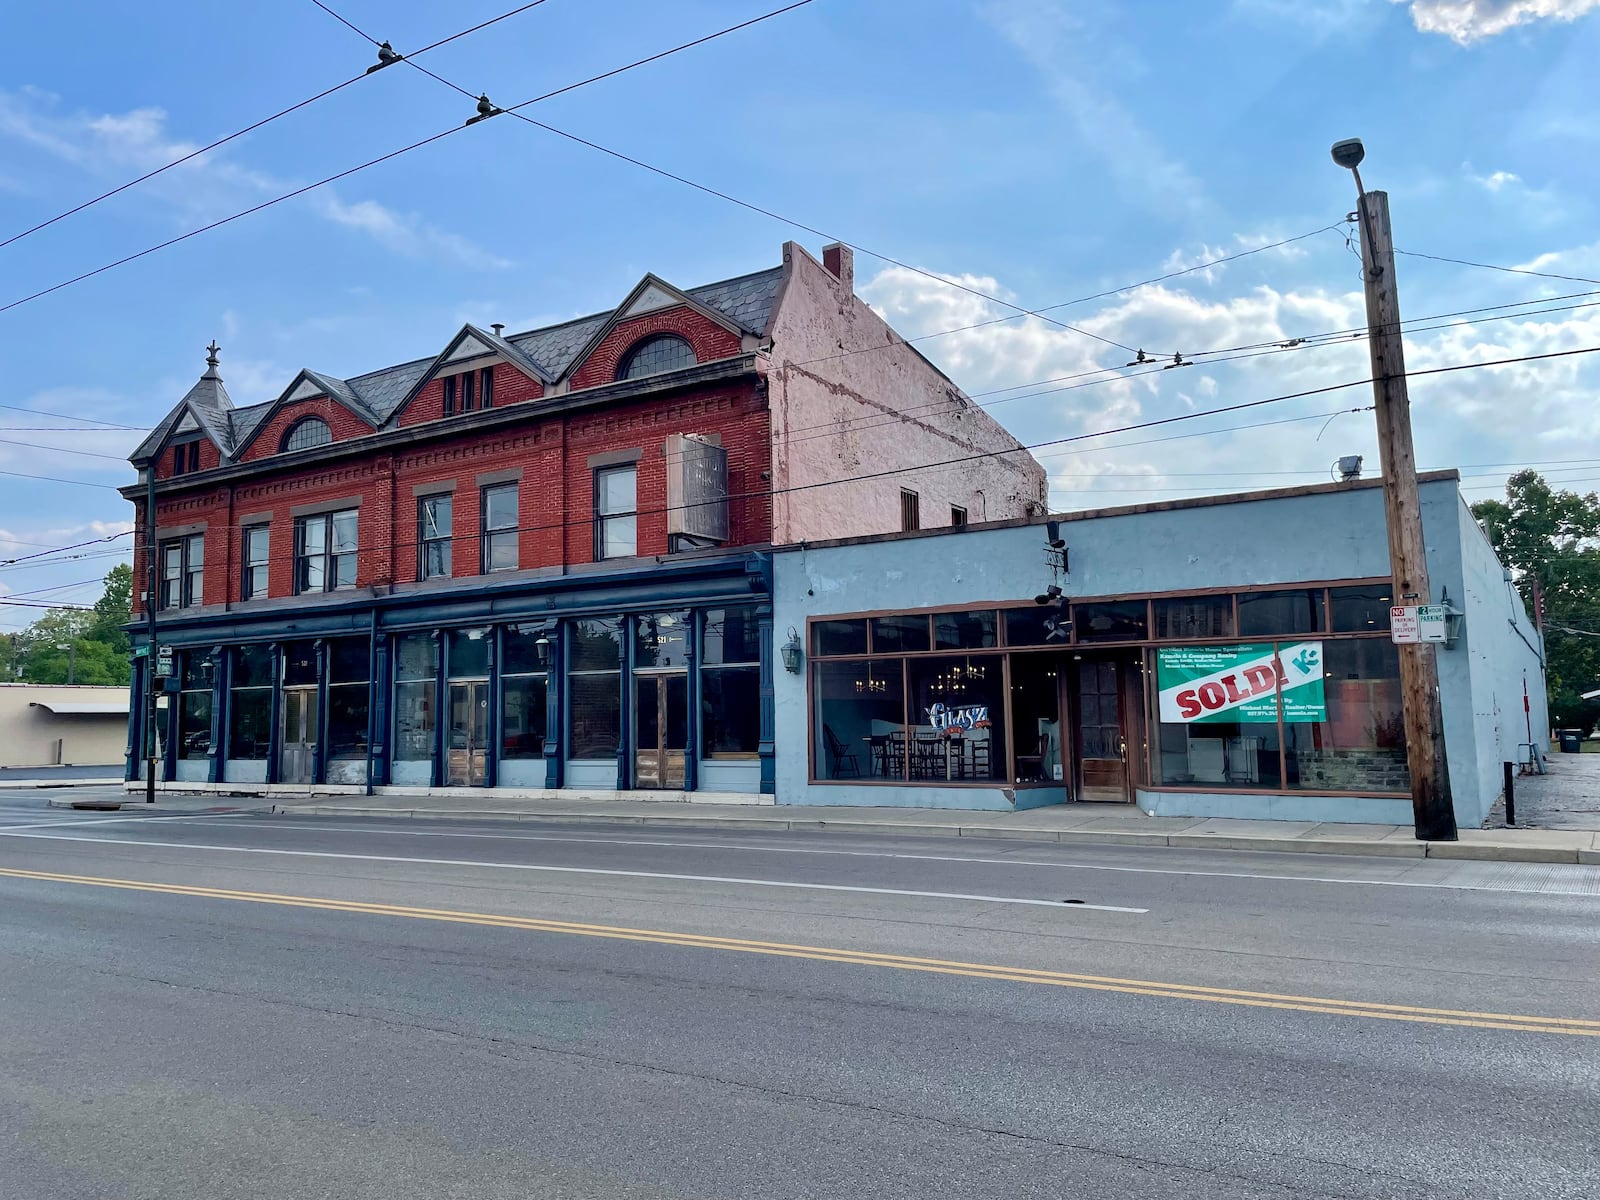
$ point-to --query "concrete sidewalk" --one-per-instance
(57, 781)
(1076, 824)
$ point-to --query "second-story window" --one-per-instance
(433, 536)
(253, 556)
(325, 551)
(910, 510)
(616, 512)
(183, 564)
(499, 528)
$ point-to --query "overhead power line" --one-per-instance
(382, 158)
(1461, 262)
(252, 127)
(515, 110)
(1073, 439)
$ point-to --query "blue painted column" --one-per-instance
(555, 751)
(692, 732)
(625, 716)
(378, 713)
(441, 718)
(319, 756)
(764, 748)
(134, 754)
(491, 752)
(275, 729)
(220, 675)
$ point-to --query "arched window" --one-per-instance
(306, 433)
(664, 352)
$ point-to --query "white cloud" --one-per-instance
(1468, 21)
(408, 234)
(1525, 412)
(113, 146)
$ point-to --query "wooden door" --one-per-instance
(1101, 731)
(299, 735)
(660, 722)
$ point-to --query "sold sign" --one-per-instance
(1240, 683)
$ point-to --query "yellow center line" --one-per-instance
(1572, 1026)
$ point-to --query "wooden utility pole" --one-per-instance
(1432, 810)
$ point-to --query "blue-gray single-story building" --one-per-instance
(1225, 656)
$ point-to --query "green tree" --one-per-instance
(1551, 541)
(83, 645)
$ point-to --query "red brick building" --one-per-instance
(526, 560)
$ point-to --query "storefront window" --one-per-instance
(1034, 626)
(415, 697)
(661, 640)
(957, 729)
(194, 705)
(730, 683)
(349, 697)
(1281, 613)
(860, 720)
(1218, 710)
(1357, 742)
(1193, 617)
(1112, 621)
(595, 684)
(897, 635)
(1036, 717)
(250, 704)
(839, 637)
(524, 691)
(1363, 609)
(965, 630)
(469, 653)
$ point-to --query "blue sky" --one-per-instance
(1040, 150)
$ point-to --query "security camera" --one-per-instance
(1051, 595)
(1052, 535)
(1349, 153)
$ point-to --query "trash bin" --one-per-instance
(1571, 740)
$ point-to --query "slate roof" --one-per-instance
(747, 300)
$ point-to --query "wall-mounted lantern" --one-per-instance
(792, 653)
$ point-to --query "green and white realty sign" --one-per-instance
(1213, 684)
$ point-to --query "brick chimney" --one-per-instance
(841, 262)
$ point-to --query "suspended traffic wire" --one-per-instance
(253, 126)
(514, 110)
(383, 158)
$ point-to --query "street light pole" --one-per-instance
(150, 629)
(1433, 813)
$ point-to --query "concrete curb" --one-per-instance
(1366, 847)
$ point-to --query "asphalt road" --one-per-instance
(248, 1006)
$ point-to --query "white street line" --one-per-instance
(462, 862)
(1543, 890)
(206, 818)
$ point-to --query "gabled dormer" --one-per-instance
(477, 370)
(197, 434)
(314, 410)
(657, 329)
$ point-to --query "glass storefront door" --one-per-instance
(661, 728)
(299, 735)
(468, 734)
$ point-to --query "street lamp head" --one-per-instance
(1349, 153)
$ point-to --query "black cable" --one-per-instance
(251, 128)
(110, 537)
(382, 158)
(1461, 262)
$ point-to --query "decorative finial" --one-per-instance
(211, 353)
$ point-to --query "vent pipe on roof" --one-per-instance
(498, 327)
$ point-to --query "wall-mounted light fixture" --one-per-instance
(792, 653)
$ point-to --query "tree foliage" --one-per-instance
(83, 645)
(1551, 541)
